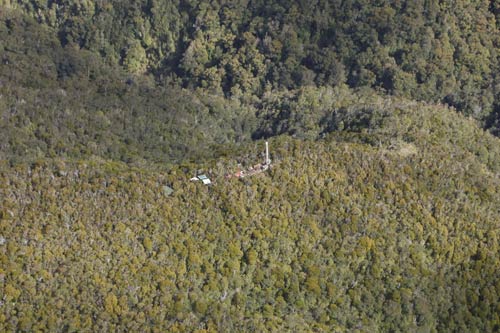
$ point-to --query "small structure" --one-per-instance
(204, 179)
(256, 169)
(167, 190)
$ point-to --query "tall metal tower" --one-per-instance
(268, 161)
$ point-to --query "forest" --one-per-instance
(380, 211)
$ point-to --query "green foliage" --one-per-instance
(424, 50)
(393, 233)
(379, 213)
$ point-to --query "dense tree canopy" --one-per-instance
(428, 50)
(379, 213)
(390, 224)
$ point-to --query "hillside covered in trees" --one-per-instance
(387, 228)
(428, 50)
(115, 56)
(380, 211)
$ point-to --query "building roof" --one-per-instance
(203, 178)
